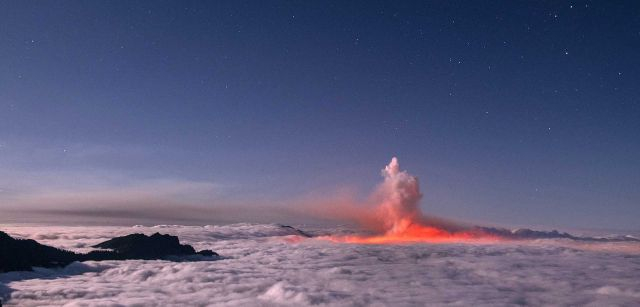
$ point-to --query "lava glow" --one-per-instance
(399, 217)
(418, 234)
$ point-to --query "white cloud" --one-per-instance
(263, 268)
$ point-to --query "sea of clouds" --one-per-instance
(267, 265)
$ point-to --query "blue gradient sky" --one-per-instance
(512, 112)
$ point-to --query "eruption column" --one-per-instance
(400, 199)
(399, 217)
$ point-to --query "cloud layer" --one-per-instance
(269, 265)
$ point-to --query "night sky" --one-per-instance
(511, 112)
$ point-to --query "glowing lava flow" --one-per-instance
(399, 216)
(418, 234)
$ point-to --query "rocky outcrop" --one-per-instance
(140, 246)
(22, 255)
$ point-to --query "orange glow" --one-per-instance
(399, 217)
(415, 233)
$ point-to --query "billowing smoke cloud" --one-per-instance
(400, 199)
(396, 217)
(399, 218)
(393, 209)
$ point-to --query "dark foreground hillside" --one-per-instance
(22, 255)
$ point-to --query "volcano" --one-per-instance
(398, 218)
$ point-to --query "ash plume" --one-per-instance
(400, 198)
(396, 216)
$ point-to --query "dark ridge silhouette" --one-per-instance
(22, 255)
(140, 246)
(524, 234)
(296, 230)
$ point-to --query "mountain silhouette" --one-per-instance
(525, 233)
(22, 255)
(140, 246)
